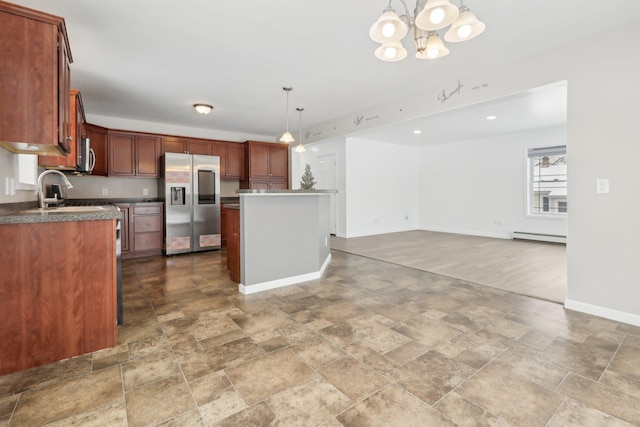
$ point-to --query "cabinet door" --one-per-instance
(278, 162)
(122, 154)
(147, 156)
(219, 149)
(124, 229)
(77, 130)
(259, 184)
(173, 145)
(259, 161)
(278, 185)
(98, 139)
(64, 102)
(234, 161)
(199, 147)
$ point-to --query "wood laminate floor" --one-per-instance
(528, 268)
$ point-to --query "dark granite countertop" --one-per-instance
(61, 214)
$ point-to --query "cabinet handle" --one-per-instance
(68, 138)
(148, 224)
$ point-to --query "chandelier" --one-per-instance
(429, 17)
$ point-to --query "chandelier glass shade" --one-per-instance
(286, 136)
(429, 17)
(300, 148)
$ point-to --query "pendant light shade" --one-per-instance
(393, 51)
(436, 14)
(435, 48)
(428, 17)
(203, 108)
(286, 136)
(388, 28)
(300, 148)
(465, 27)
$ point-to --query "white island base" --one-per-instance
(284, 238)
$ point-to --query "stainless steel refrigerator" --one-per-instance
(191, 186)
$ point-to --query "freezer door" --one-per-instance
(206, 203)
(178, 182)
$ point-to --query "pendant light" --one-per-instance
(300, 148)
(286, 136)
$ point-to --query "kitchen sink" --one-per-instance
(68, 209)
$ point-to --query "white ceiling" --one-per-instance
(150, 60)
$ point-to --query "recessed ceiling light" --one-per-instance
(491, 117)
(417, 132)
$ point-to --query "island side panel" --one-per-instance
(57, 291)
(279, 236)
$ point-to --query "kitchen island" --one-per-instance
(58, 294)
(283, 237)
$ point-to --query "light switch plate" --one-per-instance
(602, 186)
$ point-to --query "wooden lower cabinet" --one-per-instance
(233, 244)
(142, 231)
(59, 300)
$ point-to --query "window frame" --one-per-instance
(534, 152)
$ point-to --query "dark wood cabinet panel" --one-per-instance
(133, 154)
(199, 147)
(173, 145)
(98, 139)
(122, 154)
(144, 232)
(147, 156)
(78, 130)
(231, 159)
(267, 165)
(233, 244)
(60, 301)
(235, 161)
(35, 81)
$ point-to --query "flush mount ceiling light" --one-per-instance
(203, 108)
(429, 17)
(300, 148)
(286, 136)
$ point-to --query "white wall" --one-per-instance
(337, 148)
(479, 187)
(8, 169)
(381, 187)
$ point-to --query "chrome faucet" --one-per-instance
(43, 202)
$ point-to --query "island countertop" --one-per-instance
(245, 191)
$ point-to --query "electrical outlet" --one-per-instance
(145, 191)
(105, 192)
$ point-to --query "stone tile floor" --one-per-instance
(369, 344)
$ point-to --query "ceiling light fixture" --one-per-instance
(203, 108)
(429, 16)
(491, 117)
(300, 148)
(286, 136)
(417, 132)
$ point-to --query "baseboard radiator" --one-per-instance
(552, 238)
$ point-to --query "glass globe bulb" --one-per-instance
(388, 30)
(464, 31)
(390, 52)
(432, 53)
(437, 15)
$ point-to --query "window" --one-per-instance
(547, 180)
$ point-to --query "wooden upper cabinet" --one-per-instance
(133, 154)
(199, 147)
(78, 131)
(173, 145)
(185, 145)
(98, 140)
(35, 81)
(231, 159)
(267, 165)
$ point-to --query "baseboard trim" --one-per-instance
(607, 313)
(505, 235)
(279, 283)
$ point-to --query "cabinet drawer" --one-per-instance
(148, 241)
(147, 223)
(147, 210)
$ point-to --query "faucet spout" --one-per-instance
(43, 202)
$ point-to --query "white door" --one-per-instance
(327, 181)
